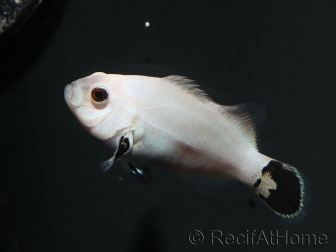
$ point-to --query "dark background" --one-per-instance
(53, 196)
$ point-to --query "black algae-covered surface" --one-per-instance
(53, 197)
(13, 13)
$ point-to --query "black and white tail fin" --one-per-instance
(282, 189)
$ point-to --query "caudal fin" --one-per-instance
(281, 188)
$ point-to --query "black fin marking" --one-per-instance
(281, 188)
(123, 147)
(257, 183)
(143, 175)
(248, 117)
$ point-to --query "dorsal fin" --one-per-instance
(192, 88)
(248, 117)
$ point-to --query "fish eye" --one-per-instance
(99, 94)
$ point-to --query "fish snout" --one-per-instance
(72, 95)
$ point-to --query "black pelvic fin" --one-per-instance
(143, 175)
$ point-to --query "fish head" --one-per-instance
(100, 104)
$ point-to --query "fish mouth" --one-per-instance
(72, 95)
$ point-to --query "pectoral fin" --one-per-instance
(104, 166)
(124, 145)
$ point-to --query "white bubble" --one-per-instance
(147, 24)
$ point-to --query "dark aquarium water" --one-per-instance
(53, 197)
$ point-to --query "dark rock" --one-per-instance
(13, 13)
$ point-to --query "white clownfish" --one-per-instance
(169, 123)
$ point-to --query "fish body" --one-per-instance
(169, 123)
